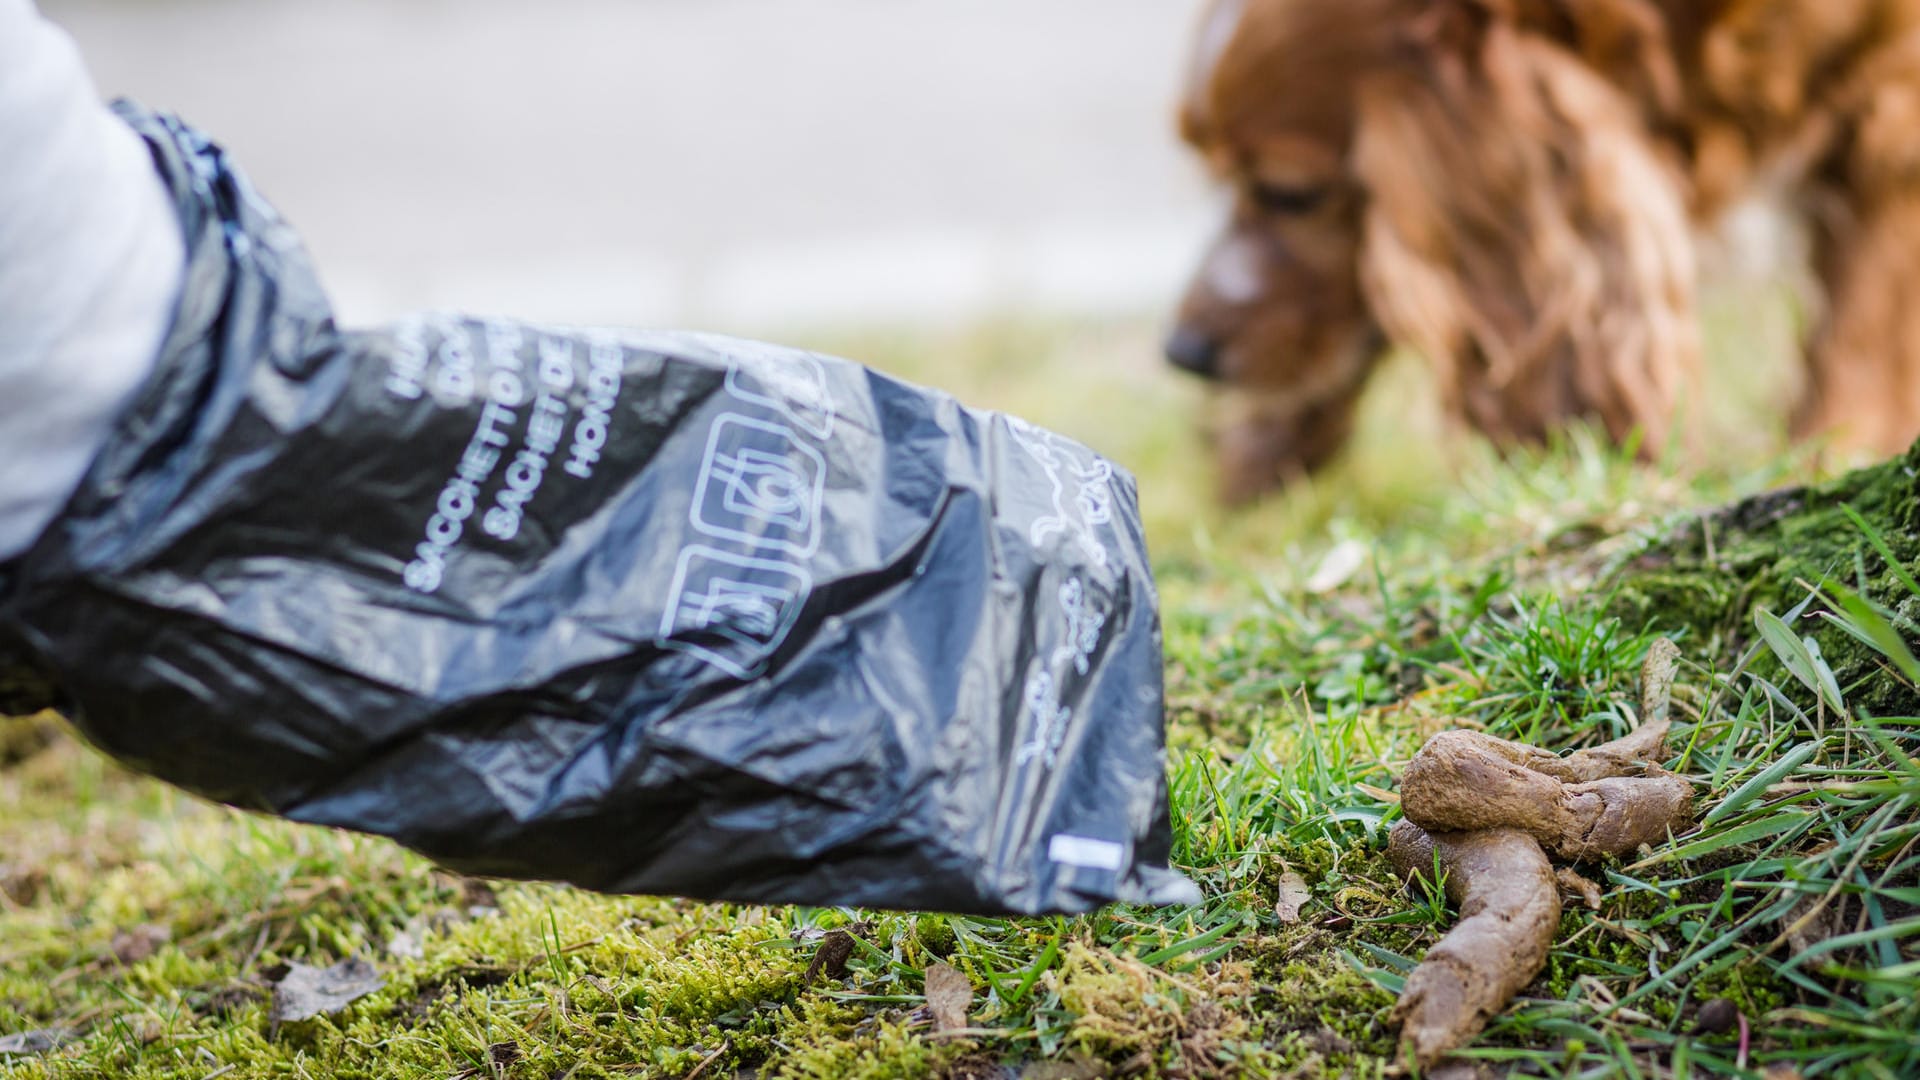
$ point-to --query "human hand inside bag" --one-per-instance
(642, 611)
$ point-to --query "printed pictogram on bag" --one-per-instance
(761, 486)
(732, 610)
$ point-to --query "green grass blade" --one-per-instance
(1760, 782)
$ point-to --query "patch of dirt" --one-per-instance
(1205, 1031)
(501, 1056)
(135, 944)
(1077, 1068)
(224, 1001)
(21, 884)
(415, 1009)
(979, 1067)
(476, 976)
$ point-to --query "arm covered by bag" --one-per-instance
(645, 612)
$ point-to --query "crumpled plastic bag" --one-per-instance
(645, 612)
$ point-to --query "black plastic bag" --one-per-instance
(644, 612)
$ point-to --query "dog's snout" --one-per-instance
(1194, 350)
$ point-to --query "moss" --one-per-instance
(1705, 575)
(1196, 1026)
(1754, 991)
(1315, 990)
(1118, 1008)
(934, 934)
(887, 1050)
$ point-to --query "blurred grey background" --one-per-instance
(734, 165)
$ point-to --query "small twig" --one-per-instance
(259, 943)
(1637, 938)
(708, 1060)
(972, 1033)
(1379, 794)
(1656, 681)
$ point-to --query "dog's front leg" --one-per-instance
(1863, 370)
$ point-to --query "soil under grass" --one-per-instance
(1311, 646)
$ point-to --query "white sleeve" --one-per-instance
(91, 260)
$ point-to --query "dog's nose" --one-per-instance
(1193, 350)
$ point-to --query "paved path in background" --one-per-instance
(733, 164)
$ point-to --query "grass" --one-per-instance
(1312, 643)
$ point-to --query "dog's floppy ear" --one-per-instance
(1523, 231)
(1450, 27)
(1220, 22)
(1627, 42)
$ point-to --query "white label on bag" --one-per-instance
(1085, 851)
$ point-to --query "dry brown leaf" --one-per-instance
(478, 898)
(948, 996)
(305, 992)
(1656, 683)
(830, 960)
(35, 1041)
(1294, 893)
(1337, 566)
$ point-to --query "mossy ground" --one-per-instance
(1312, 642)
(1859, 531)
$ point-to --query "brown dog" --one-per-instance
(1508, 187)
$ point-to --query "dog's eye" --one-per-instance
(1287, 198)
